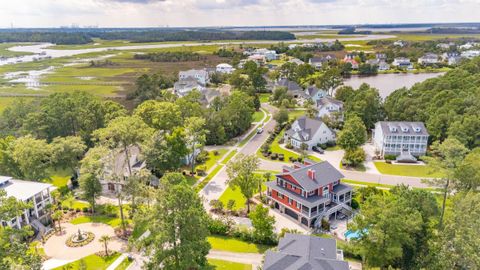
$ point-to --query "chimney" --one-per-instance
(311, 174)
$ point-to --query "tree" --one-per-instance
(113, 110)
(67, 152)
(32, 156)
(353, 134)
(281, 116)
(266, 177)
(159, 115)
(136, 187)
(104, 239)
(385, 226)
(467, 176)
(355, 157)
(329, 80)
(179, 227)
(91, 188)
(365, 102)
(312, 111)
(446, 159)
(458, 243)
(57, 216)
(263, 224)
(123, 132)
(165, 151)
(196, 137)
(15, 253)
(241, 175)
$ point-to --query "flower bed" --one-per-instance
(72, 241)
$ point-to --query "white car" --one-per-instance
(259, 130)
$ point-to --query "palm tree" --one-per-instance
(57, 216)
(105, 239)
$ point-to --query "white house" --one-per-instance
(36, 193)
(393, 138)
(380, 64)
(185, 86)
(402, 62)
(308, 131)
(330, 107)
(400, 43)
(470, 54)
(224, 68)
(428, 59)
(315, 94)
(268, 54)
(201, 75)
(452, 58)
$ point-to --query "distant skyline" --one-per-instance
(200, 13)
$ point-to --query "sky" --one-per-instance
(186, 13)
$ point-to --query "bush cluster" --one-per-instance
(227, 227)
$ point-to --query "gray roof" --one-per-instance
(304, 252)
(312, 90)
(120, 165)
(402, 128)
(308, 127)
(325, 174)
(328, 100)
(290, 85)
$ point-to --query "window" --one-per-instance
(290, 201)
(280, 195)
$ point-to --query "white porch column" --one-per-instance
(27, 219)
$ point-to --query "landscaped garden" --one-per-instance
(406, 170)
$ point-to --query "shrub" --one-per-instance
(292, 159)
(289, 145)
(355, 157)
(274, 156)
(331, 143)
(325, 225)
(218, 226)
(355, 204)
(86, 209)
(390, 157)
(281, 157)
(281, 140)
(202, 157)
(216, 153)
(216, 205)
(108, 210)
(230, 204)
(322, 145)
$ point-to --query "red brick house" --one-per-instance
(310, 191)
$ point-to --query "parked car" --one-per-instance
(259, 130)
(317, 149)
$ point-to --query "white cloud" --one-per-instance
(135, 13)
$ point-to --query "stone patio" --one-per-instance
(56, 249)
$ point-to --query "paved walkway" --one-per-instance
(56, 248)
(255, 259)
(117, 262)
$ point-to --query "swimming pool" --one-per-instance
(351, 235)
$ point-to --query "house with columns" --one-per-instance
(310, 191)
(36, 193)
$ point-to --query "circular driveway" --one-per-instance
(56, 248)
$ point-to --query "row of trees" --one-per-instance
(170, 56)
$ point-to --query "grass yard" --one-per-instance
(212, 159)
(124, 265)
(224, 243)
(264, 97)
(7, 101)
(59, 177)
(229, 156)
(406, 170)
(294, 114)
(91, 262)
(258, 116)
(226, 265)
(207, 179)
(75, 204)
(237, 196)
(112, 221)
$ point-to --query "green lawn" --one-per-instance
(405, 170)
(75, 204)
(294, 114)
(112, 221)
(212, 159)
(59, 177)
(237, 196)
(207, 179)
(92, 262)
(235, 245)
(227, 158)
(264, 97)
(124, 265)
(258, 116)
(226, 265)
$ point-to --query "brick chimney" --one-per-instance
(311, 174)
